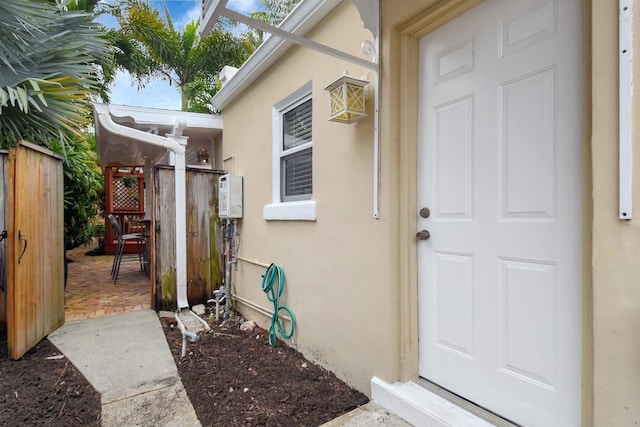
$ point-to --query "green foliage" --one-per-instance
(50, 59)
(150, 47)
(129, 180)
(274, 13)
(199, 93)
(47, 70)
(83, 185)
(277, 10)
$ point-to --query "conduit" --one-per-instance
(258, 308)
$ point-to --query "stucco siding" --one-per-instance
(351, 279)
(616, 243)
(339, 268)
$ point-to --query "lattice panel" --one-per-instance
(125, 198)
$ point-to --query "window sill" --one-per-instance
(291, 211)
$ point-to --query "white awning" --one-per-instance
(138, 136)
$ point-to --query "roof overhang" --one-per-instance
(302, 19)
(139, 136)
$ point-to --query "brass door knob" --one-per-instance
(423, 235)
(425, 212)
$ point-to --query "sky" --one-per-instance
(158, 94)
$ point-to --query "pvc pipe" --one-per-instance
(250, 261)
(260, 309)
(218, 296)
(185, 334)
(192, 336)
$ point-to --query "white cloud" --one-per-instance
(156, 94)
(192, 14)
(244, 6)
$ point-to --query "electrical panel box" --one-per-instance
(230, 196)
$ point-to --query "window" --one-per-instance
(293, 158)
(296, 164)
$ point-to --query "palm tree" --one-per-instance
(275, 10)
(47, 70)
(179, 57)
(273, 13)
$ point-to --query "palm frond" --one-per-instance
(47, 70)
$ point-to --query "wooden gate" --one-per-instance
(4, 175)
(35, 247)
(203, 236)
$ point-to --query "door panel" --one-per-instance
(500, 167)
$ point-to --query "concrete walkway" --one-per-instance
(118, 344)
(127, 360)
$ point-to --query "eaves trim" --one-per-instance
(303, 18)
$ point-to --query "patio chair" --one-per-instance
(122, 239)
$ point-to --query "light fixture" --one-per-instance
(347, 99)
(203, 156)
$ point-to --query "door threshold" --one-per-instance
(422, 403)
(460, 401)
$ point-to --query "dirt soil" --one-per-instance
(43, 388)
(235, 378)
(232, 377)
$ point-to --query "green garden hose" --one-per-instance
(273, 286)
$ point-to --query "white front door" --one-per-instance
(500, 168)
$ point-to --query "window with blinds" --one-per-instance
(296, 164)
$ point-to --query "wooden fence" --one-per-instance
(204, 240)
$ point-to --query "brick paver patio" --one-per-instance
(90, 292)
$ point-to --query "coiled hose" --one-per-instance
(273, 285)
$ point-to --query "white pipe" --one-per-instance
(376, 124)
(185, 334)
(258, 308)
(147, 192)
(250, 261)
(376, 151)
(625, 141)
(180, 200)
(218, 297)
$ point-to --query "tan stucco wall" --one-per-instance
(616, 243)
(351, 279)
(340, 268)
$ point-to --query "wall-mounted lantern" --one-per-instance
(203, 157)
(347, 99)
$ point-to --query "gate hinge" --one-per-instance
(3, 235)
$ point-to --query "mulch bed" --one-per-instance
(232, 377)
(235, 378)
(38, 391)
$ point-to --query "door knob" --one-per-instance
(423, 235)
(425, 212)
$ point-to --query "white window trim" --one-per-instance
(303, 210)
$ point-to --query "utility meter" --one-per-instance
(230, 196)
